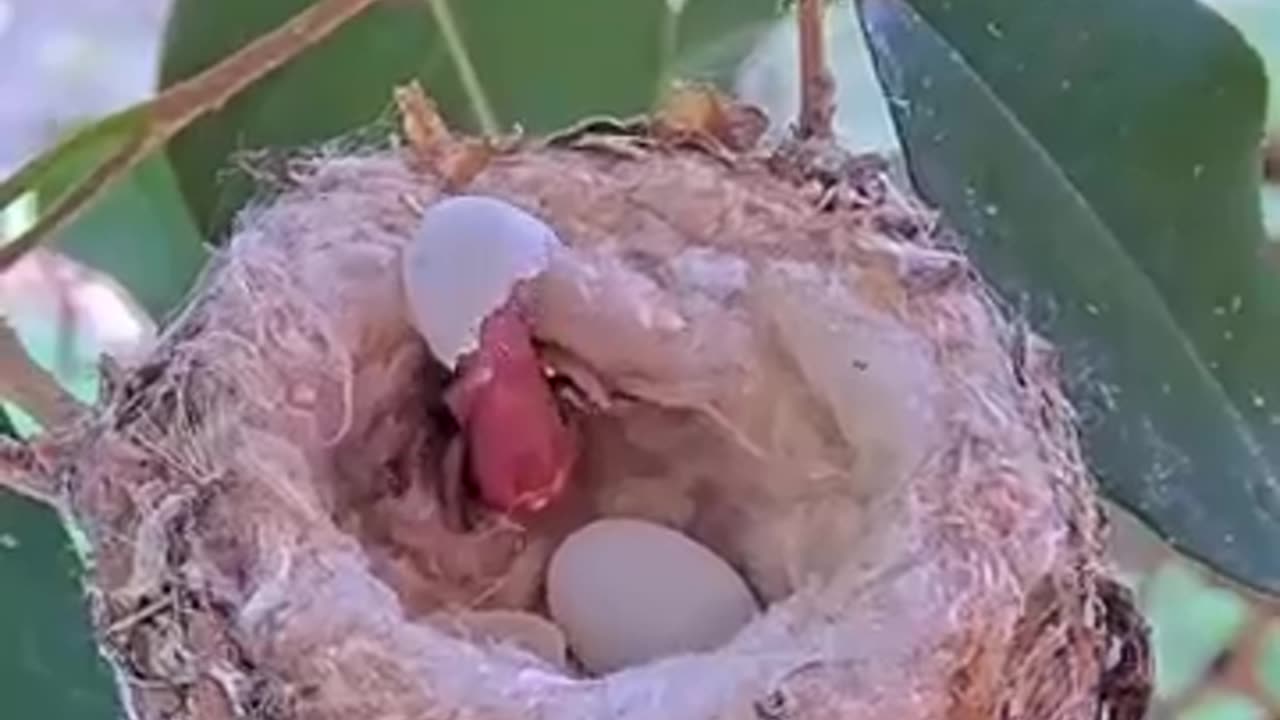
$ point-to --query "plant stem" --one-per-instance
(817, 87)
(21, 471)
(466, 70)
(158, 120)
(31, 387)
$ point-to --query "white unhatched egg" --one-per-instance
(627, 592)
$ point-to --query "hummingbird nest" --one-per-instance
(791, 362)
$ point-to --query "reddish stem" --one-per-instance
(817, 87)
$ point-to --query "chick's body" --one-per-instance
(460, 274)
(519, 448)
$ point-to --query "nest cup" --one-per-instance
(800, 376)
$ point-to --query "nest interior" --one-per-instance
(798, 374)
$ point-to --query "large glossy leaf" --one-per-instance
(1259, 22)
(539, 64)
(50, 667)
(1101, 158)
(138, 231)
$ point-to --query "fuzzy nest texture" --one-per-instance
(799, 374)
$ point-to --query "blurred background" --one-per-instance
(63, 62)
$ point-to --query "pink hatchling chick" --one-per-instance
(520, 449)
(461, 273)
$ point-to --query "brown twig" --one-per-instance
(163, 117)
(22, 472)
(817, 86)
(454, 161)
(31, 386)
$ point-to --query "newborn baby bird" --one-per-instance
(461, 273)
(520, 450)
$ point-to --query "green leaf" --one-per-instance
(1100, 157)
(540, 64)
(139, 231)
(1259, 22)
(50, 667)
(81, 148)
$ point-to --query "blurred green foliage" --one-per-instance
(1259, 22)
(1269, 662)
(540, 65)
(1225, 706)
(1104, 172)
(50, 667)
(1193, 624)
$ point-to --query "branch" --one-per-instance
(31, 387)
(817, 86)
(148, 126)
(22, 472)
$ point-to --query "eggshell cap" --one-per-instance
(469, 253)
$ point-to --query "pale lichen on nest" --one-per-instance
(835, 407)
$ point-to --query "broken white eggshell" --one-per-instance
(627, 592)
(469, 253)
